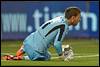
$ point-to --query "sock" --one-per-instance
(26, 58)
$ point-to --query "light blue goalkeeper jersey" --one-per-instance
(52, 31)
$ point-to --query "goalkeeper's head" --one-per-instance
(72, 14)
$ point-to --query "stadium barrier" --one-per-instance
(20, 18)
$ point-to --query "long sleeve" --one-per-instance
(58, 41)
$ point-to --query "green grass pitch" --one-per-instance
(88, 49)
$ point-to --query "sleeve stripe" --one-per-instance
(62, 28)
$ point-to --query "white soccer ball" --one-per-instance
(65, 46)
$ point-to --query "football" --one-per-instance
(65, 46)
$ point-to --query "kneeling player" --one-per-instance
(37, 43)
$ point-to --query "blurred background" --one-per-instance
(20, 18)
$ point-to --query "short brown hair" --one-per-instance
(71, 11)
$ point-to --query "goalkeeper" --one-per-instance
(53, 31)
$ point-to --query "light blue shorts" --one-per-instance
(35, 55)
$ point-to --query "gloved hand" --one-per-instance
(68, 53)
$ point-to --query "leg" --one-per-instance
(21, 58)
(47, 55)
(26, 58)
(7, 57)
(19, 54)
(43, 56)
(32, 54)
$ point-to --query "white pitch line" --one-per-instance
(53, 54)
(87, 56)
(58, 57)
(75, 57)
(3, 60)
(78, 56)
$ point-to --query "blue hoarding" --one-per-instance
(20, 18)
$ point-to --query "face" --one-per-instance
(75, 20)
